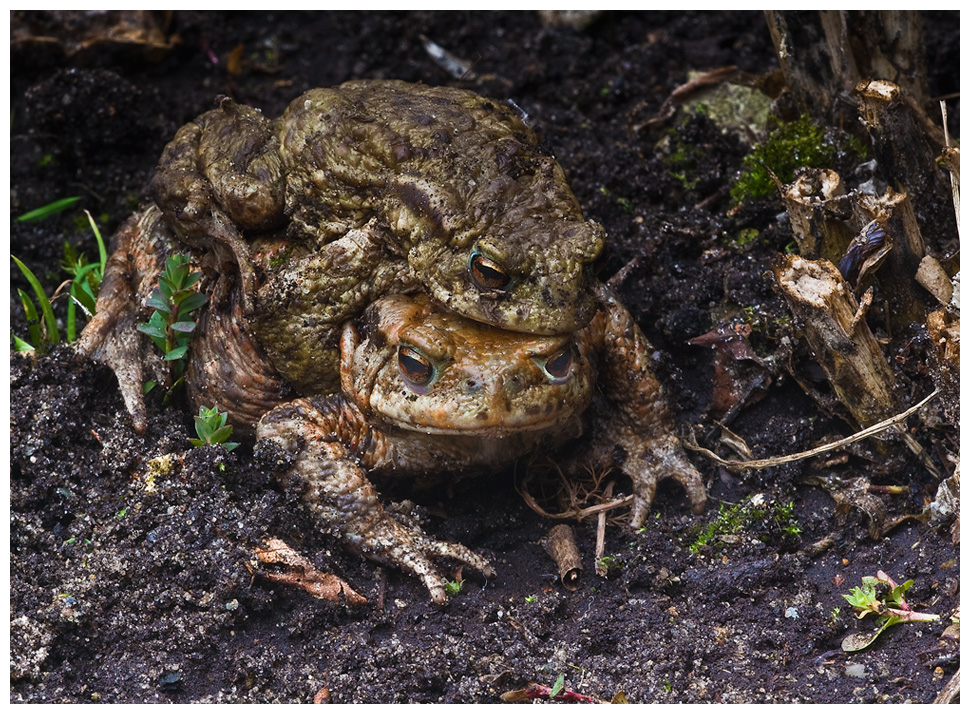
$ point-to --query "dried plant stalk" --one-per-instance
(824, 54)
(560, 544)
(905, 142)
(894, 212)
(818, 209)
(825, 308)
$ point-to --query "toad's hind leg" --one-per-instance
(332, 445)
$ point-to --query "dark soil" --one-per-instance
(133, 582)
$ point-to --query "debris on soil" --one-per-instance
(301, 573)
(560, 544)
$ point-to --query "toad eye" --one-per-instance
(417, 370)
(487, 274)
(557, 366)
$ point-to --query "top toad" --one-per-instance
(378, 187)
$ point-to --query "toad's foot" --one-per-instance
(332, 445)
(660, 459)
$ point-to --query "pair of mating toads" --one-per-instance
(399, 284)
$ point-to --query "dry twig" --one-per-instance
(779, 460)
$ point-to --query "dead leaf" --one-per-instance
(302, 574)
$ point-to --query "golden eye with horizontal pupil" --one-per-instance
(416, 369)
(557, 366)
(487, 274)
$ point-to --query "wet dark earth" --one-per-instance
(133, 573)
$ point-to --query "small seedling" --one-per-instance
(530, 599)
(174, 300)
(210, 425)
(558, 686)
(453, 587)
(889, 606)
(609, 562)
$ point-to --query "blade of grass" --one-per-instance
(71, 326)
(20, 346)
(33, 321)
(50, 209)
(102, 251)
(53, 335)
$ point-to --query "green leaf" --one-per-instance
(50, 209)
(177, 353)
(102, 250)
(220, 435)
(558, 686)
(53, 335)
(20, 346)
(158, 301)
(33, 321)
(71, 325)
(860, 640)
(192, 302)
(897, 594)
(184, 326)
(151, 330)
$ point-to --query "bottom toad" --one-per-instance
(426, 392)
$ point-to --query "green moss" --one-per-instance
(789, 147)
(760, 519)
(682, 160)
(747, 235)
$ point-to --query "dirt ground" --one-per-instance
(132, 580)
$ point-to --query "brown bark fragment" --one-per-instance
(560, 544)
(933, 277)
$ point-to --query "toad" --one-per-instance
(378, 187)
(426, 393)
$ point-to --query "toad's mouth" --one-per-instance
(494, 417)
(484, 426)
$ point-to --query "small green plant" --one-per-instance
(882, 597)
(453, 587)
(174, 300)
(42, 329)
(530, 599)
(210, 425)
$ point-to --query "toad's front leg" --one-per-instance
(333, 444)
(640, 422)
